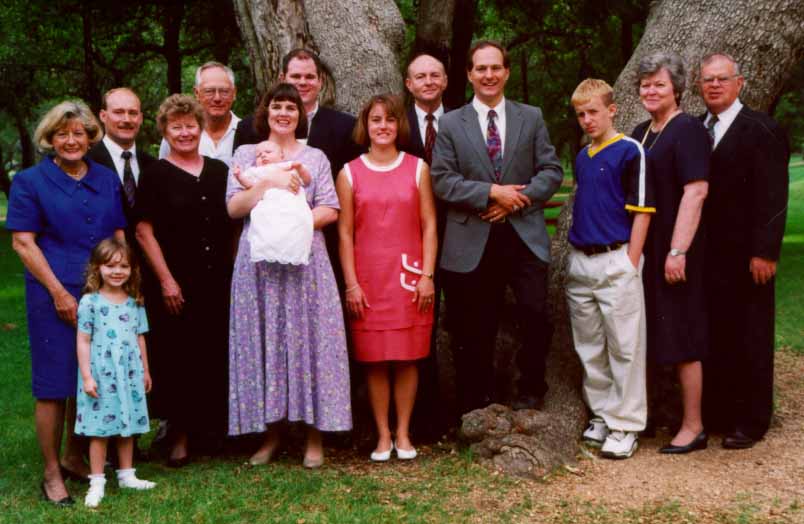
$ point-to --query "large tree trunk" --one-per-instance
(360, 41)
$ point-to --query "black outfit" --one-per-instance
(429, 422)
(190, 351)
(745, 213)
(676, 313)
(100, 154)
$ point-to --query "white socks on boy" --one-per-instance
(126, 479)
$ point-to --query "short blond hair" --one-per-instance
(179, 105)
(590, 88)
(60, 116)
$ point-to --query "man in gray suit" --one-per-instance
(495, 168)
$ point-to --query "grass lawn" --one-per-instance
(444, 485)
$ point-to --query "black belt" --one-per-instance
(597, 249)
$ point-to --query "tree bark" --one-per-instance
(360, 41)
(171, 25)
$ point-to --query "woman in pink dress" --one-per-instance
(387, 230)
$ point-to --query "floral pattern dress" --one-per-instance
(287, 343)
(116, 366)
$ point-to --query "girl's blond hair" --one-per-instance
(103, 253)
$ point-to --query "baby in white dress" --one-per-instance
(281, 227)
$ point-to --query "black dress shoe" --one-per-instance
(527, 402)
(178, 463)
(738, 440)
(69, 474)
(697, 443)
(61, 503)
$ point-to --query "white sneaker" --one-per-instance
(620, 445)
(595, 435)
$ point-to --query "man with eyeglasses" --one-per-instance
(744, 215)
(215, 90)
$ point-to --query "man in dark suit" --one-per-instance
(426, 81)
(495, 167)
(121, 115)
(744, 214)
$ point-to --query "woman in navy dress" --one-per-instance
(677, 148)
(58, 211)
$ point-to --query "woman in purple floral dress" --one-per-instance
(287, 343)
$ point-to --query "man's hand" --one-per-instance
(509, 196)
(675, 269)
(762, 269)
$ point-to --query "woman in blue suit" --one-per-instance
(57, 211)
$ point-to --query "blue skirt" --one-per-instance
(54, 364)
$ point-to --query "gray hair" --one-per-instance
(214, 65)
(672, 63)
(61, 115)
(711, 57)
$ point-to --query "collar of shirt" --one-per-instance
(310, 117)
(223, 150)
(483, 119)
(421, 118)
(116, 153)
(724, 120)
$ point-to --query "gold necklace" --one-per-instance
(647, 131)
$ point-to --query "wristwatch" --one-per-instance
(677, 252)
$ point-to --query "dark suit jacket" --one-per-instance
(415, 145)
(746, 207)
(100, 154)
(331, 133)
(462, 176)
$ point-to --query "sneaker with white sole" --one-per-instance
(620, 445)
(595, 435)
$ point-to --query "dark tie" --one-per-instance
(129, 185)
(494, 146)
(429, 140)
(711, 128)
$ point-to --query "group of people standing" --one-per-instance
(403, 202)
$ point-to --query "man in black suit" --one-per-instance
(121, 115)
(745, 215)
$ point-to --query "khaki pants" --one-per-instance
(607, 309)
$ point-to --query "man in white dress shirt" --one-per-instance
(216, 92)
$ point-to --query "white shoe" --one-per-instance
(382, 456)
(595, 435)
(97, 485)
(126, 479)
(405, 454)
(620, 445)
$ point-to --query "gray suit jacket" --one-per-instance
(462, 176)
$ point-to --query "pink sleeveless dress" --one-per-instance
(388, 261)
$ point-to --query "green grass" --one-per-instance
(790, 281)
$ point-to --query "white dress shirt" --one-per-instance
(483, 119)
(724, 120)
(116, 152)
(206, 147)
(421, 118)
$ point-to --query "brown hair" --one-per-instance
(394, 107)
(61, 115)
(482, 44)
(281, 92)
(179, 105)
(105, 251)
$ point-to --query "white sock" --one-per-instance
(97, 485)
(126, 478)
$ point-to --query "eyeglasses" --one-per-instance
(709, 80)
(223, 92)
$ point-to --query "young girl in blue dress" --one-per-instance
(113, 375)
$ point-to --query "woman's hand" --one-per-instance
(146, 379)
(171, 294)
(424, 294)
(356, 301)
(91, 387)
(66, 307)
(674, 269)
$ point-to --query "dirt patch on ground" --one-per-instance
(769, 477)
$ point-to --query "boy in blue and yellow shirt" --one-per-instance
(610, 219)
